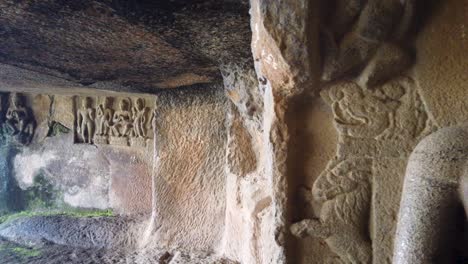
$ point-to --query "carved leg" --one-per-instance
(11, 128)
(115, 131)
(29, 131)
(310, 227)
(90, 132)
(100, 127)
(83, 132)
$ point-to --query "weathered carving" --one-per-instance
(122, 120)
(85, 121)
(388, 112)
(139, 112)
(103, 121)
(360, 31)
(103, 125)
(20, 121)
(345, 190)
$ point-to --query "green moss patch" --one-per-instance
(76, 213)
(20, 252)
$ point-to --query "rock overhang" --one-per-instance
(137, 46)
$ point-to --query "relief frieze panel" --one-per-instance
(344, 190)
(377, 126)
(120, 121)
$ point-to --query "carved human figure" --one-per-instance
(139, 112)
(122, 120)
(345, 190)
(104, 117)
(85, 120)
(19, 119)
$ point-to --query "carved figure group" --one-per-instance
(345, 191)
(126, 125)
(19, 119)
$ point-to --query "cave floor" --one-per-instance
(67, 239)
(12, 253)
(50, 254)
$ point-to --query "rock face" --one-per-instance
(292, 149)
(189, 193)
(381, 111)
(143, 44)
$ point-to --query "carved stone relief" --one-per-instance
(114, 121)
(366, 33)
(374, 124)
(85, 118)
(392, 111)
(19, 121)
(344, 188)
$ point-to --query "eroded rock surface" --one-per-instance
(138, 46)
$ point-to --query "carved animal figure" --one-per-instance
(19, 119)
(122, 120)
(345, 190)
(85, 121)
(139, 113)
(104, 117)
(363, 113)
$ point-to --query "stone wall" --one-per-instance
(300, 160)
(189, 178)
(71, 163)
(58, 173)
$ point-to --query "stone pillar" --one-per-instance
(283, 31)
(430, 198)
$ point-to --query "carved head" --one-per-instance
(124, 104)
(140, 103)
(16, 100)
(86, 102)
(107, 102)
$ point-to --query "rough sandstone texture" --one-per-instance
(139, 46)
(435, 176)
(189, 183)
(102, 178)
(381, 112)
(310, 138)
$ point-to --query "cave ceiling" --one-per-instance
(130, 45)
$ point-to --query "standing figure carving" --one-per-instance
(122, 120)
(104, 117)
(19, 119)
(139, 112)
(345, 190)
(85, 120)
